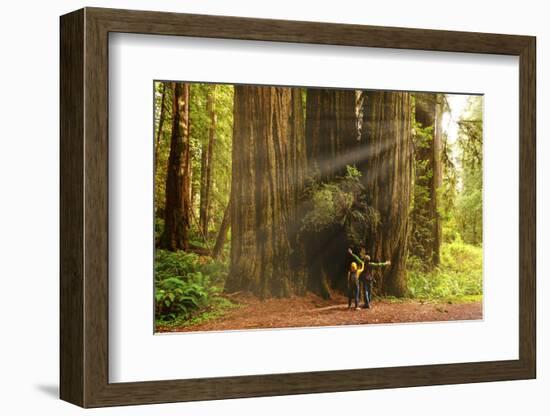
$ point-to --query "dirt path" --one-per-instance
(312, 310)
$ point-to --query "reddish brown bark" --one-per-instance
(178, 178)
(267, 167)
(387, 175)
(331, 131)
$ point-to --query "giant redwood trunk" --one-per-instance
(425, 218)
(177, 207)
(267, 170)
(332, 140)
(387, 175)
(331, 131)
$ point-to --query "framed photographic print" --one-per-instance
(255, 207)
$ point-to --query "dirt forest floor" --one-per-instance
(311, 311)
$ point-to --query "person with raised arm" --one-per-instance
(353, 282)
(365, 278)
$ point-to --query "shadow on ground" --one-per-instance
(51, 390)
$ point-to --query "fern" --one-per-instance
(185, 283)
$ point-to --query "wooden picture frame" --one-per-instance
(84, 207)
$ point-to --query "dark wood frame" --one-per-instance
(84, 207)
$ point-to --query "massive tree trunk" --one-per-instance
(332, 140)
(387, 175)
(207, 161)
(425, 218)
(178, 178)
(331, 131)
(267, 171)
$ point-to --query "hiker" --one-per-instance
(353, 282)
(366, 278)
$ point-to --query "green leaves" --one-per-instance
(324, 209)
(339, 202)
(469, 205)
(177, 296)
(185, 283)
(459, 275)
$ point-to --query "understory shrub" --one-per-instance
(459, 274)
(185, 283)
(340, 202)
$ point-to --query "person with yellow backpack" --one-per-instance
(353, 282)
(365, 276)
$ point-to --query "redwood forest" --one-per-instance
(299, 207)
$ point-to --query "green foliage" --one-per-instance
(185, 284)
(198, 136)
(174, 296)
(470, 210)
(447, 193)
(422, 220)
(340, 202)
(326, 200)
(200, 123)
(159, 227)
(450, 230)
(217, 308)
(164, 142)
(469, 205)
(459, 275)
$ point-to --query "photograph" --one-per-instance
(296, 207)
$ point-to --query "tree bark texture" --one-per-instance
(387, 175)
(178, 178)
(268, 166)
(331, 131)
